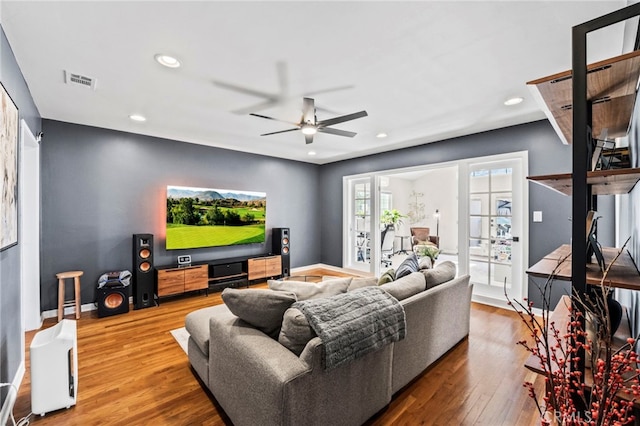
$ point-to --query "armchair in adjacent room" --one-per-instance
(421, 236)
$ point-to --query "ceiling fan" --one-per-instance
(309, 124)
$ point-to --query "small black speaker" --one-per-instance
(112, 300)
(143, 272)
(281, 245)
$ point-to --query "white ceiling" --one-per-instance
(424, 71)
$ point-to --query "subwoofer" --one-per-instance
(143, 272)
(112, 300)
(281, 245)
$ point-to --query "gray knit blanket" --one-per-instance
(353, 324)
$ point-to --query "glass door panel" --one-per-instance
(490, 225)
(360, 224)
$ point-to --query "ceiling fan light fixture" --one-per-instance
(167, 61)
(513, 101)
(308, 129)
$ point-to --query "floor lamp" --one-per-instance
(437, 216)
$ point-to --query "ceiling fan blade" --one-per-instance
(275, 119)
(247, 90)
(283, 78)
(332, 89)
(308, 139)
(341, 119)
(257, 107)
(308, 111)
(281, 131)
(337, 132)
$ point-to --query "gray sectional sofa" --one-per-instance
(258, 381)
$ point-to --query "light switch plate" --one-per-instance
(537, 216)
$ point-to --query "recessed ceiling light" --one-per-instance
(513, 101)
(381, 135)
(138, 117)
(167, 61)
(311, 153)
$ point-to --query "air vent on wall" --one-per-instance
(79, 80)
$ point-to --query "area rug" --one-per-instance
(182, 336)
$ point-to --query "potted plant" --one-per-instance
(429, 251)
(391, 218)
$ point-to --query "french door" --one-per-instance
(359, 199)
(495, 216)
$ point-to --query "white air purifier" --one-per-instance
(54, 368)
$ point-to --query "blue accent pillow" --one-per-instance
(409, 265)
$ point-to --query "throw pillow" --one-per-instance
(387, 277)
(441, 273)
(425, 263)
(308, 290)
(407, 286)
(296, 331)
(261, 308)
(409, 265)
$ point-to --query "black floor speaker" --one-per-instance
(112, 300)
(143, 272)
(281, 244)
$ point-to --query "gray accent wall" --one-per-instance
(547, 155)
(10, 295)
(99, 187)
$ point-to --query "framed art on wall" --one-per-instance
(8, 171)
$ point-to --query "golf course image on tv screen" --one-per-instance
(207, 217)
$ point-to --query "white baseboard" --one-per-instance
(491, 302)
(302, 269)
(10, 400)
(69, 310)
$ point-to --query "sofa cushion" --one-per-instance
(406, 286)
(356, 282)
(296, 331)
(409, 265)
(308, 290)
(387, 277)
(441, 273)
(261, 308)
(197, 325)
(425, 263)
(361, 282)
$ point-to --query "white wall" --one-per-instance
(440, 189)
(400, 188)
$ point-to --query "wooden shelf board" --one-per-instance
(623, 273)
(603, 182)
(227, 277)
(611, 87)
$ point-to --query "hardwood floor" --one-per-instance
(132, 372)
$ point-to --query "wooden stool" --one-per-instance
(76, 284)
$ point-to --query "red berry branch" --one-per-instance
(606, 392)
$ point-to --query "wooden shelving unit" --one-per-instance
(603, 182)
(611, 94)
(611, 88)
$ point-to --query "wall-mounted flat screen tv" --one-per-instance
(208, 217)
